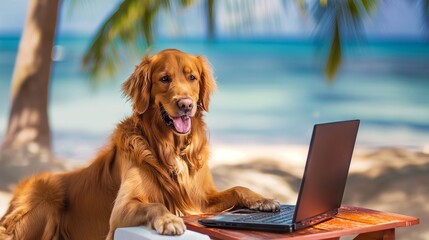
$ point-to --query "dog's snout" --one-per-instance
(185, 104)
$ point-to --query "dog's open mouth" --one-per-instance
(181, 125)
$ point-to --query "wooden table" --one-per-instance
(366, 223)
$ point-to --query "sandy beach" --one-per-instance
(387, 179)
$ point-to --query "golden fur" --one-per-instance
(149, 173)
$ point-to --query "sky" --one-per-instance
(395, 19)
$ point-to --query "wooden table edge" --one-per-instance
(403, 221)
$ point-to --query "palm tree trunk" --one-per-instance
(28, 127)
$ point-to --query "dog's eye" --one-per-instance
(192, 77)
(165, 79)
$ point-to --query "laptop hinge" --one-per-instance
(315, 220)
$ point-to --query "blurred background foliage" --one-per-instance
(132, 25)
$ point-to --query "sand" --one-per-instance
(387, 179)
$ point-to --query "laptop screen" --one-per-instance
(326, 170)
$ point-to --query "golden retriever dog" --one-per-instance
(153, 170)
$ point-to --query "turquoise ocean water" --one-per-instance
(269, 92)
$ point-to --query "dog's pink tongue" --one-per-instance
(182, 124)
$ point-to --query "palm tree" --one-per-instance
(27, 143)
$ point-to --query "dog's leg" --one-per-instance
(132, 208)
(239, 197)
(34, 212)
(235, 197)
(4, 235)
(152, 215)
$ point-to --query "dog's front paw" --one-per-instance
(266, 205)
(3, 234)
(169, 224)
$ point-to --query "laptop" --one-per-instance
(322, 185)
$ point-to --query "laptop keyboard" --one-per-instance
(285, 215)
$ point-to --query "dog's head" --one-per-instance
(175, 84)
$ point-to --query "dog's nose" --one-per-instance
(185, 104)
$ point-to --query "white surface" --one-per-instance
(144, 233)
(5, 198)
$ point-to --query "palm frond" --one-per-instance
(211, 18)
(338, 21)
(334, 59)
(369, 5)
(425, 8)
(302, 6)
(186, 3)
(124, 35)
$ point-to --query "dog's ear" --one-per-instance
(208, 84)
(137, 87)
